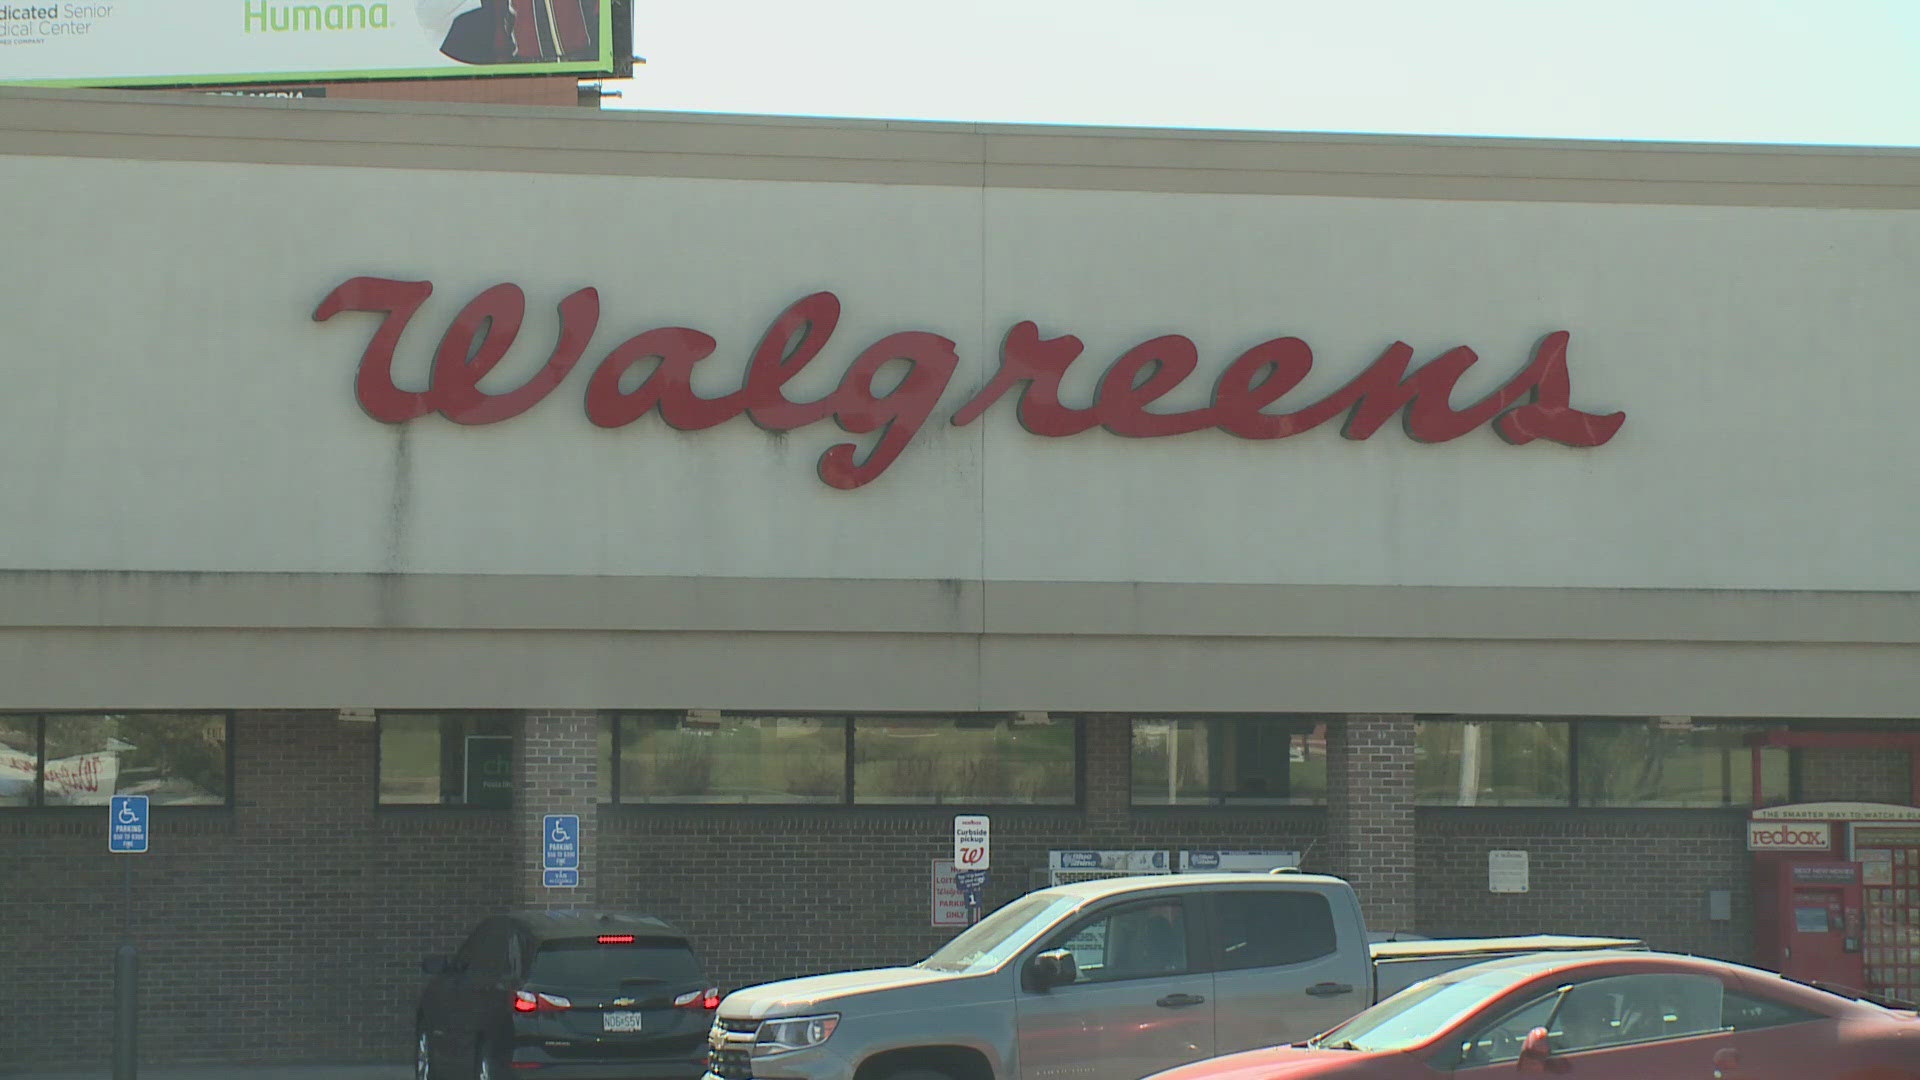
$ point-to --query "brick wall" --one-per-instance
(288, 928)
(556, 764)
(511, 90)
(1642, 874)
(1370, 822)
(1856, 775)
(537, 90)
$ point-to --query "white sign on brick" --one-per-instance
(970, 842)
(1507, 871)
(949, 906)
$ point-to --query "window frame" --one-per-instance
(39, 803)
(1215, 800)
(1455, 1056)
(847, 798)
(1739, 769)
(1216, 944)
(1574, 800)
(1193, 918)
(515, 721)
(1799, 1015)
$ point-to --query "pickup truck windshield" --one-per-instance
(993, 940)
(1417, 1013)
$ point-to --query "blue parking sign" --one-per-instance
(127, 824)
(560, 851)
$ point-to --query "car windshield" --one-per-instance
(990, 942)
(1422, 1010)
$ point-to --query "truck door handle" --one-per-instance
(1329, 989)
(1179, 1001)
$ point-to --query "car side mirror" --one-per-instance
(1535, 1051)
(1051, 969)
(435, 965)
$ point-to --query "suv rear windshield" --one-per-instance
(585, 962)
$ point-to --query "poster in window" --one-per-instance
(489, 771)
(1876, 867)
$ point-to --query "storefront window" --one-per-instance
(710, 757)
(713, 758)
(1672, 761)
(446, 759)
(19, 760)
(1215, 760)
(177, 759)
(1026, 761)
(1487, 761)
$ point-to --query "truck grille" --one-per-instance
(728, 1063)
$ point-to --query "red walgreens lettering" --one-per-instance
(1534, 404)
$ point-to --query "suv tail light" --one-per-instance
(526, 1001)
(708, 999)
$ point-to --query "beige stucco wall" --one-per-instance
(1776, 586)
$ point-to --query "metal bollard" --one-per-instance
(126, 1013)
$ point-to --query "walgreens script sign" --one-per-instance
(1536, 403)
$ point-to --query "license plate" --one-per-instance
(620, 1021)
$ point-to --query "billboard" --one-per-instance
(226, 42)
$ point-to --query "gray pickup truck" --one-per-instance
(1101, 980)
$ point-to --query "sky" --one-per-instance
(1822, 72)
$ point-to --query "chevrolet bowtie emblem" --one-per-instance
(623, 1001)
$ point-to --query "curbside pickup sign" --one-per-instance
(1789, 836)
(970, 842)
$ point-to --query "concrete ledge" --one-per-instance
(813, 672)
(185, 127)
(119, 599)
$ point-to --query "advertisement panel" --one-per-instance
(215, 42)
(1789, 836)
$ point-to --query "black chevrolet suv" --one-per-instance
(567, 995)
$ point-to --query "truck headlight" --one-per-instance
(793, 1033)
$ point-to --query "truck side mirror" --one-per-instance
(1535, 1051)
(1051, 969)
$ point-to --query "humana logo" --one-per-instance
(263, 17)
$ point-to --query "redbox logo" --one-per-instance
(1767, 836)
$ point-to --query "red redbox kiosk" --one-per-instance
(1859, 860)
(1807, 917)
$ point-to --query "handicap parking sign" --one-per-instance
(127, 824)
(560, 851)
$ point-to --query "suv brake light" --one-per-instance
(615, 939)
(526, 1002)
(708, 999)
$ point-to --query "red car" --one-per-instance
(1599, 1016)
